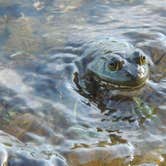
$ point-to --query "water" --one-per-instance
(44, 120)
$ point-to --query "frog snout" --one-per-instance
(136, 73)
(140, 72)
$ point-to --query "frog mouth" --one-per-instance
(122, 86)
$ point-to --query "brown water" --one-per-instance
(44, 120)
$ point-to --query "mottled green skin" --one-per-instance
(99, 54)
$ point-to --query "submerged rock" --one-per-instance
(15, 153)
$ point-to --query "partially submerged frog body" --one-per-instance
(107, 66)
(112, 64)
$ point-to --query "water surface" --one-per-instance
(44, 120)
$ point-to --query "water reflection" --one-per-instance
(39, 104)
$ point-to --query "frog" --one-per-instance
(111, 64)
(109, 70)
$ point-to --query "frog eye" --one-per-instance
(116, 65)
(141, 60)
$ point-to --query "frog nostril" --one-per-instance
(140, 74)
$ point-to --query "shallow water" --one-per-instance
(44, 120)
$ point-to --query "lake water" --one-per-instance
(44, 120)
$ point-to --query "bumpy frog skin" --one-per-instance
(115, 64)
